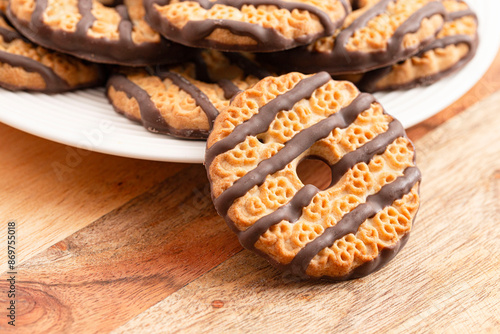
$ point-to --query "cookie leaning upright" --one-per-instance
(246, 25)
(454, 47)
(379, 34)
(26, 66)
(348, 230)
(183, 100)
(87, 29)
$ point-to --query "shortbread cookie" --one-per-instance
(87, 29)
(455, 46)
(246, 25)
(183, 101)
(25, 66)
(379, 34)
(348, 230)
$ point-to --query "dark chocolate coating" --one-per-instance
(53, 83)
(200, 97)
(248, 66)
(229, 88)
(259, 122)
(194, 33)
(302, 141)
(369, 80)
(292, 149)
(351, 221)
(151, 116)
(293, 210)
(8, 35)
(122, 51)
(342, 61)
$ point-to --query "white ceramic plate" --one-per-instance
(85, 119)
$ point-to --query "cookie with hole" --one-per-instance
(348, 230)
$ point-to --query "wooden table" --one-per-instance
(124, 245)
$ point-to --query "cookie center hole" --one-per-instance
(315, 171)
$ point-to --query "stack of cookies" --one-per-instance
(269, 83)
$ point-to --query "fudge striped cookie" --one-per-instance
(348, 230)
(26, 66)
(379, 34)
(246, 25)
(184, 100)
(454, 47)
(87, 29)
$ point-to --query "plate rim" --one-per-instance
(192, 151)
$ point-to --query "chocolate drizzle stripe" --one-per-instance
(384, 256)
(351, 222)
(53, 83)
(367, 151)
(452, 16)
(9, 35)
(36, 23)
(344, 35)
(370, 80)
(411, 25)
(229, 88)
(104, 50)
(290, 212)
(259, 122)
(248, 66)
(289, 6)
(201, 99)
(293, 210)
(292, 149)
(125, 25)
(341, 61)
(151, 117)
(450, 40)
(87, 20)
(201, 68)
(194, 33)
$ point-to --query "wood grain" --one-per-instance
(125, 262)
(446, 279)
(52, 190)
(129, 234)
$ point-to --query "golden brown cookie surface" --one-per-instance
(454, 47)
(87, 29)
(348, 230)
(379, 34)
(183, 100)
(3, 5)
(246, 25)
(25, 66)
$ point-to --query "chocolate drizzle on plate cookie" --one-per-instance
(196, 33)
(13, 56)
(405, 75)
(122, 50)
(201, 99)
(197, 85)
(337, 59)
